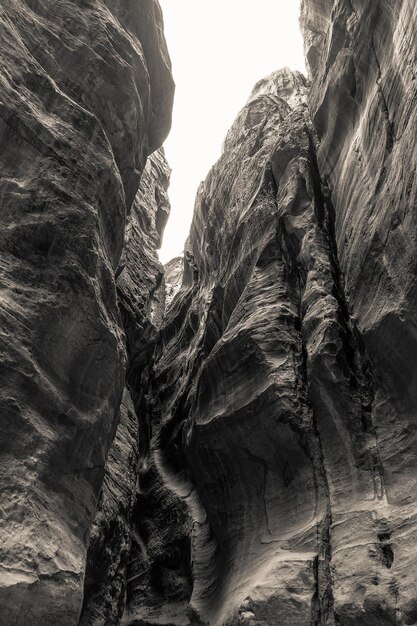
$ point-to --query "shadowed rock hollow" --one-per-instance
(248, 456)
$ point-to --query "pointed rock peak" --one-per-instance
(289, 85)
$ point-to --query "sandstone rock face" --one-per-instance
(109, 545)
(235, 459)
(141, 296)
(363, 59)
(282, 401)
(233, 443)
(174, 270)
(86, 94)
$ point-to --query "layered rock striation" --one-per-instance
(174, 270)
(235, 473)
(363, 59)
(282, 401)
(141, 297)
(231, 440)
(86, 96)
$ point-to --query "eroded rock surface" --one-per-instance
(253, 461)
(283, 402)
(363, 59)
(86, 95)
(141, 297)
(234, 453)
(174, 270)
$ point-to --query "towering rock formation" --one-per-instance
(253, 461)
(86, 95)
(363, 60)
(235, 459)
(279, 485)
(141, 296)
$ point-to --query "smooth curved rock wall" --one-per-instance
(258, 467)
(234, 457)
(282, 402)
(86, 94)
(363, 104)
(141, 298)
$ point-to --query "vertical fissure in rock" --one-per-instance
(361, 378)
(322, 609)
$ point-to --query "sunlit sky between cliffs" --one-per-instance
(219, 50)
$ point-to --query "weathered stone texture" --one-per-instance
(174, 270)
(363, 105)
(263, 470)
(283, 400)
(141, 297)
(86, 95)
(234, 451)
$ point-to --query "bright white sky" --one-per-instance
(219, 50)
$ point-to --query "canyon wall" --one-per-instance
(86, 96)
(235, 476)
(363, 61)
(279, 485)
(141, 298)
(233, 443)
